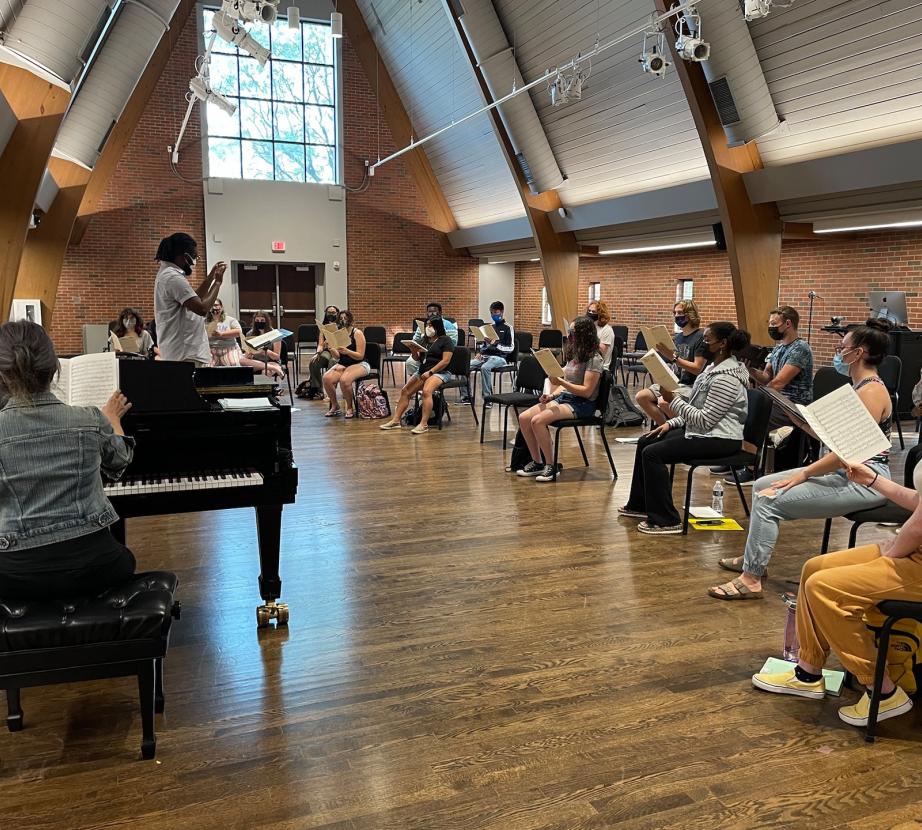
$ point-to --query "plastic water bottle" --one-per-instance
(717, 498)
(791, 646)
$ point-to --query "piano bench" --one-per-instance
(124, 631)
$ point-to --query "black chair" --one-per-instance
(620, 331)
(755, 431)
(398, 354)
(284, 346)
(889, 512)
(529, 381)
(630, 364)
(891, 373)
(551, 339)
(524, 340)
(470, 339)
(826, 380)
(373, 359)
(511, 367)
(308, 337)
(376, 334)
(605, 383)
(460, 367)
(894, 610)
(124, 631)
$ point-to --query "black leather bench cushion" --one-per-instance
(136, 610)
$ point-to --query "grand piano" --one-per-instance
(194, 453)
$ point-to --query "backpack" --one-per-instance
(371, 402)
(413, 414)
(621, 410)
(903, 651)
(521, 455)
(303, 390)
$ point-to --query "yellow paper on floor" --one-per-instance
(715, 524)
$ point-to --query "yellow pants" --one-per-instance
(835, 591)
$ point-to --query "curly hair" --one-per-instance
(583, 343)
(690, 310)
(604, 312)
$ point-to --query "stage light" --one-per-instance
(654, 63)
(230, 30)
(199, 87)
(692, 49)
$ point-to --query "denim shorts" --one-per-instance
(443, 376)
(580, 406)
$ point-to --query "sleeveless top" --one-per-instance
(346, 360)
(886, 425)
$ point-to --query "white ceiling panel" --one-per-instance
(418, 46)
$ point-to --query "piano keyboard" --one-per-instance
(178, 483)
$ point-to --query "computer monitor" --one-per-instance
(889, 305)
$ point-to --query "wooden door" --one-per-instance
(256, 291)
(297, 295)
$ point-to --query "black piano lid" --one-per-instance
(160, 386)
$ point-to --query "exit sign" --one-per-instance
(278, 246)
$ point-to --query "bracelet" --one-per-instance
(876, 474)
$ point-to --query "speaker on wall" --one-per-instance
(719, 237)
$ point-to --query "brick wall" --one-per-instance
(640, 288)
(114, 266)
(396, 262)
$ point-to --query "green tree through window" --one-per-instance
(285, 124)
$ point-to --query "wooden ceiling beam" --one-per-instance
(395, 116)
(39, 109)
(121, 133)
(753, 231)
(559, 252)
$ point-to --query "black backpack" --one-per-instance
(621, 410)
(411, 417)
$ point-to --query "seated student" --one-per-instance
(572, 396)
(265, 360)
(223, 333)
(54, 515)
(322, 359)
(707, 425)
(838, 588)
(822, 490)
(351, 366)
(451, 330)
(131, 334)
(494, 353)
(433, 372)
(690, 356)
(598, 312)
(788, 369)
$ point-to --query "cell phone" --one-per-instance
(708, 522)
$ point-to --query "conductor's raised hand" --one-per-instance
(217, 271)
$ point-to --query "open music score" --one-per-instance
(87, 380)
(659, 371)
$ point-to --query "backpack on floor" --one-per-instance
(371, 402)
(303, 390)
(621, 410)
(521, 455)
(903, 651)
(414, 413)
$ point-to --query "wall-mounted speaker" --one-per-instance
(719, 237)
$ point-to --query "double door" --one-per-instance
(287, 291)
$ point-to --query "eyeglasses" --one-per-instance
(845, 349)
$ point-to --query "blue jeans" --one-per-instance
(487, 364)
(820, 497)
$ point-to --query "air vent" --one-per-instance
(526, 170)
(723, 100)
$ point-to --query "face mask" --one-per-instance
(259, 324)
(592, 315)
(681, 321)
(128, 322)
(496, 317)
(839, 364)
(430, 332)
(774, 333)
(329, 317)
(431, 314)
(190, 264)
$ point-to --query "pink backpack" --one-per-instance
(372, 402)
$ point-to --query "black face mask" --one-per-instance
(259, 326)
(431, 314)
(592, 315)
(329, 318)
(681, 321)
(774, 333)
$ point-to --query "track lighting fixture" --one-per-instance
(202, 90)
(653, 55)
(689, 44)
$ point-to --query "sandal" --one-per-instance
(332, 413)
(349, 415)
(740, 592)
(735, 565)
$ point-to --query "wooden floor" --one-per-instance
(467, 649)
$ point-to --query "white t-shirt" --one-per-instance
(180, 332)
(606, 336)
(225, 344)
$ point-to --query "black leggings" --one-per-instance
(85, 566)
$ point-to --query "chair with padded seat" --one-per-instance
(524, 341)
(123, 631)
(470, 340)
(891, 373)
(755, 431)
(529, 381)
(460, 368)
(551, 339)
(398, 354)
(595, 420)
(373, 359)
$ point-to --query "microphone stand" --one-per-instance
(812, 295)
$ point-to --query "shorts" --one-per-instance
(581, 407)
(445, 377)
(683, 391)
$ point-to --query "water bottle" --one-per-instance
(791, 646)
(717, 498)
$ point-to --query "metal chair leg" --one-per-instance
(471, 396)
(739, 488)
(556, 452)
(827, 529)
(688, 489)
(14, 710)
(483, 421)
(899, 431)
(853, 534)
(882, 646)
(611, 461)
(582, 449)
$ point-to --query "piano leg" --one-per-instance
(118, 531)
(269, 529)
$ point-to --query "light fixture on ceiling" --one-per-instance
(649, 248)
(336, 25)
(756, 9)
(653, 53)
(251, 11)
(294, 17)
(202, 90)
(229, 29)
(689, 44)
(872, 222)
(568, 86)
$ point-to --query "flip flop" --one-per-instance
(349, 415)
(333, 413)
(742, 592)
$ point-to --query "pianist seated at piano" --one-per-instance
(131, 334)
(265, 359)
(351, 367)
(55, 540)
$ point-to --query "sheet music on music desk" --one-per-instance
(841, 421)
(87, 380)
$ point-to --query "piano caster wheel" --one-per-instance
(273, 610)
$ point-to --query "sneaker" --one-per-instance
(745, 476)
(546, 474)
(633, 514)
(390, 425)
(530, 470)
(488, 405)
(656, 530)
(466, 399)
(419, 430)
(857, 714)
(786, 683)
(719, 471)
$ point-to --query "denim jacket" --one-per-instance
(50, 459)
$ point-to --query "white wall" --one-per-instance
(497, 282)
(245, 216)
